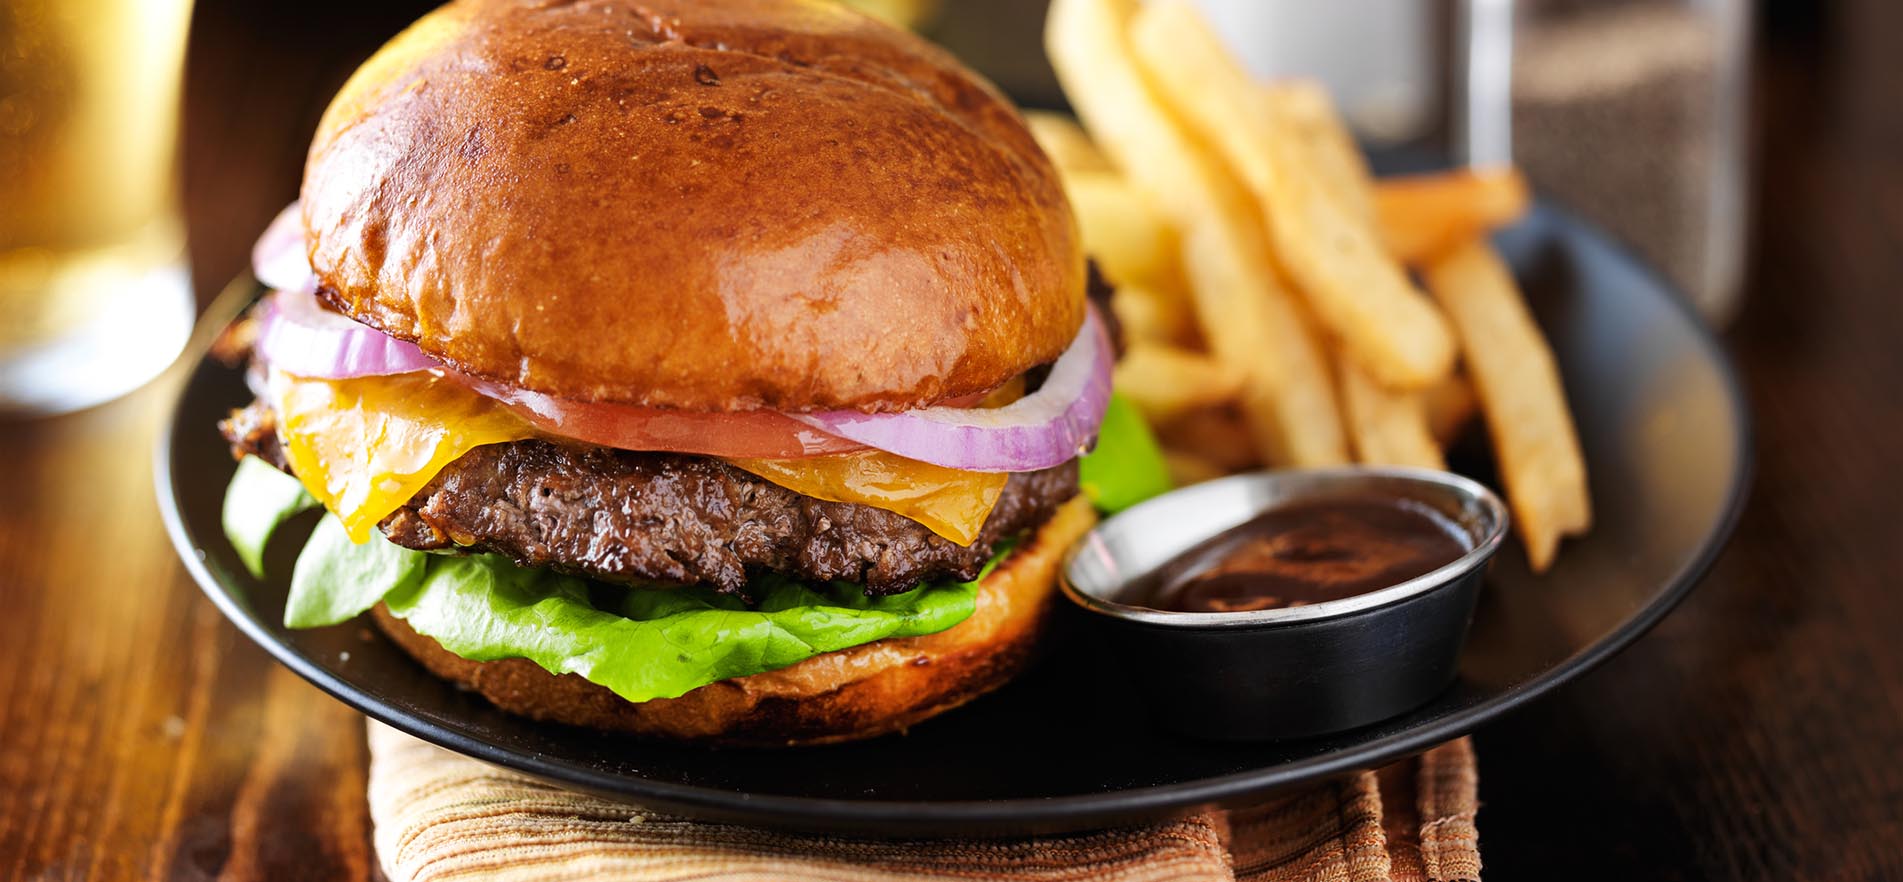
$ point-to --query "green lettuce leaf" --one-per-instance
(642, 643)
(258, 500)
(1126, 467)
(336, 579)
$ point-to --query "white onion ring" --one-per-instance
(278, 259)
(299, 337)
(1052, 426)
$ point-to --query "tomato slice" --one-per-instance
(761, 434)
(748, 434)
(745, 434)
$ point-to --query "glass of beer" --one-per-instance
(95, 295)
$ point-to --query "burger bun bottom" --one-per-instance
(856, 693)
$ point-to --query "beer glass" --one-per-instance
(95, 296)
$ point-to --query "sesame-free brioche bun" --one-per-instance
(711, 206)
(855, 693)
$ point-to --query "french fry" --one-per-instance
(1252, 321)
(1165, 381)
(1121, 230)
(1089, 48)
(1155, 315)
(1450, 406)
(1517, 382)
(1247, 316)
(1216, 435)
(1387, 427)
(1188, 468)
(1421, 216)
(1304, 110)
(903, 13)
(1067, 144)
(1355, 290)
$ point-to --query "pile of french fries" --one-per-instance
(1263, 277)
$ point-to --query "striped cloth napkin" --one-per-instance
(440, 816)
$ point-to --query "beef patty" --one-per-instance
(630, 516)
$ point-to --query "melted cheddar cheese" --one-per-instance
(364, 446)
(951, 502)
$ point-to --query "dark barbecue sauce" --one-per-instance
(1306, 552)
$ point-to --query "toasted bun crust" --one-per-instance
(713, 205)
(847, 695)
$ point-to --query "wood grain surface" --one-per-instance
(1755, 735)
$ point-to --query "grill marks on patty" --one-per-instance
(630, 516)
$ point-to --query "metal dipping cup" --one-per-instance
(1292, 672)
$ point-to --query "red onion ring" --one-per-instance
(1056, 424)
(1052, 426)
(278, 259)
(299, 337)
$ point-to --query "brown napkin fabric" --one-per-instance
(440, 817)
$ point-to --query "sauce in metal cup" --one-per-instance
(1287, 670)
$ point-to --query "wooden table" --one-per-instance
(1755, 735)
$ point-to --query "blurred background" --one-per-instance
(1634, 112)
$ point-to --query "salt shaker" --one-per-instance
(1630, 112)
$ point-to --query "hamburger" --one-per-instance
(713, 371)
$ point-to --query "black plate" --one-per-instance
(1665, 434)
